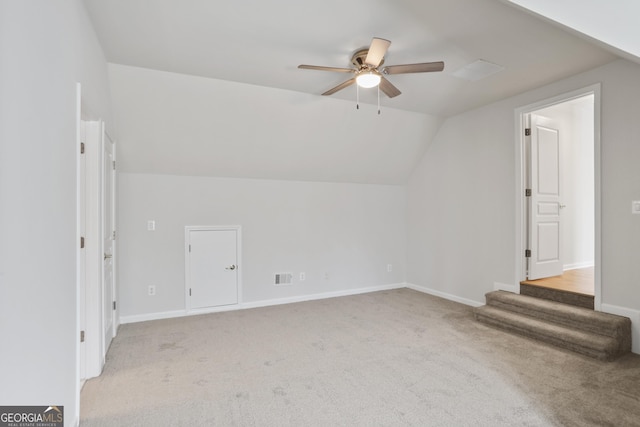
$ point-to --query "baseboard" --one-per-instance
(323, 295)
(632, 314)
(255, 304)
(444, 295)
(152, 316)
(577, 265)
(497, 286)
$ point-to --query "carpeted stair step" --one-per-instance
(566, 297)
(563, 314)
(596, 334)
(589, 344)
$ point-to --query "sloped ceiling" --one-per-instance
(262, 42)
(258, 44)
(612, 24)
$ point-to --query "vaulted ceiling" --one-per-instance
(225, 97)
(262, 42)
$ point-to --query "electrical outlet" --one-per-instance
(389, 268)
(152, 290)
(151, 225)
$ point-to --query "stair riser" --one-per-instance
(537, 335)
(594, 334)
(578, 300)
(583, 324)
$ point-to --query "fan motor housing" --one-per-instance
(357, 59)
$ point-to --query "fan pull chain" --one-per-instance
(357, 97)
(378, 99)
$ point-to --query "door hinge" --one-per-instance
(189, 291)
(82, 243)
(527, 253)
(527, 132)
(114, 165)
(114, 305)
(189, 248)
(82, 148)
(114, 234)
(527, 192)
(81, 336)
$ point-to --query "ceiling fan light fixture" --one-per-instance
(368, 79)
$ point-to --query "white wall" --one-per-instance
(461, 206)
(187, 125)
(45, 48)
(348, 231)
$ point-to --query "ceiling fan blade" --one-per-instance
(424, 67)
(377, 50)
(318, 67)
(388, 89)
(340, 87)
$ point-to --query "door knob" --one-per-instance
(232, 267)
(107, 256)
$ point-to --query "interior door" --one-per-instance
(212, 278)
(108, 237)
(545, 226)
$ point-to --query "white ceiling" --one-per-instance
(262, 42)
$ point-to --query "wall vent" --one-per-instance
(283, 278)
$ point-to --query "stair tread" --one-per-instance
(558, 309)
(595, 334)
(548, 329)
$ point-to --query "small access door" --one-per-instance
(545, 224)
(212, 267)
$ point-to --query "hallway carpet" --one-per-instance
(391, 358)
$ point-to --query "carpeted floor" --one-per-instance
(392, 358)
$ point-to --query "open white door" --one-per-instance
(108, 237)
(545, 224)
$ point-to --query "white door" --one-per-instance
(108, 236)
(545, 204)
(212, 263)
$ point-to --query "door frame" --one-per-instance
(108, 294)
(187, 300)
(520, 121)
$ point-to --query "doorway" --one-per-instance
(559, 193)
(212, 267)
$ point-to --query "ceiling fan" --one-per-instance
(369, 71)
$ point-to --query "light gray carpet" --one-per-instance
(392, 358)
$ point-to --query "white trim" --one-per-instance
(324, 295)
(632, 314)
(497, 286)
(187, 230)
(520, 199)
(152, 316)
(264, 303)
(444, 295)
(79, 259)
(578, 265)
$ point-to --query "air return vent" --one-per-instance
(283, 278)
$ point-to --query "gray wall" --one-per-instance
(461, 197)
(45, 48)
(348, 231)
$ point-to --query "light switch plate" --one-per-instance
(635, 207)
(151, 225)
